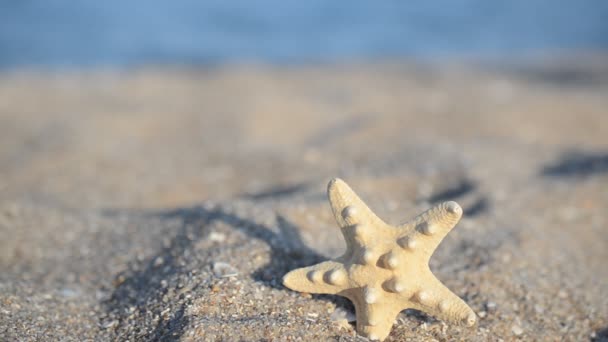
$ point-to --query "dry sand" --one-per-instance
(167, 204)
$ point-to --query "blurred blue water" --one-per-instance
(66, 33)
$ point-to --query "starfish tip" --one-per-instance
(334, 182)
(453, 208)
(289, 280)
(470, 320)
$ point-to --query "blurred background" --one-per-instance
(278, 76)
(149, 148)
(63, 33)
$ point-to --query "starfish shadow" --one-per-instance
(577, 165)
(143, 282)
(277, 192)
(464, 188)
(286, 246)
(601, 335)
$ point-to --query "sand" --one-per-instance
(167, 204)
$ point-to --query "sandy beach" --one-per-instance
(167, 203)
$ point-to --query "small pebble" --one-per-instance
(109, 324)
(517, 330)
(342, 314)
(222, 270)
(491, 306)
(216, 237)
(159, 261)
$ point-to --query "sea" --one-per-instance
(123, 33)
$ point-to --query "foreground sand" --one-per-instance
(167, 205)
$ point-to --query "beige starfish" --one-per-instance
(385, 268)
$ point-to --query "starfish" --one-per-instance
(385, 268)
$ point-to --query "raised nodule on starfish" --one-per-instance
(385, 268)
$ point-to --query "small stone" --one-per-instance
(491, 306)
(223, 270)
(109, 324)
(342, 314)
(68, 292)
(216, 237)
(342, 317)
(517, 330)
(159, 261)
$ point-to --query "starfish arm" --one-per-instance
(328, 277)
(348, 208)
(437, 300)
(374, 321)
(425, 232)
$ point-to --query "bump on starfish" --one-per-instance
(385, 268)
